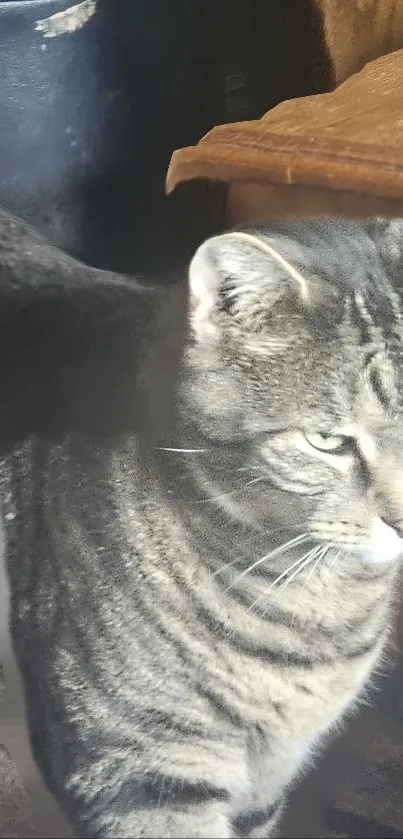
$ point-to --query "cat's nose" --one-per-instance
(396, 525)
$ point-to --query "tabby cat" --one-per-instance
(192, 616)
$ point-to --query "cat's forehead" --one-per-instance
(330, 383)
(371, 335)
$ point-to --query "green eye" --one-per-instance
(334, 443)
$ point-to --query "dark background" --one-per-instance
(89, 120)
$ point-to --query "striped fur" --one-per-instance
(192, 620)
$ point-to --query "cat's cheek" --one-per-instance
(385, 544)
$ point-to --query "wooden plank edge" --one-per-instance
(225, 162)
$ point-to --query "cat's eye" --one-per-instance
(332, 443)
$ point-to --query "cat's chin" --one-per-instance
(385, 545)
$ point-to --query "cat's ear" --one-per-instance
(244, 275)
(388, 234)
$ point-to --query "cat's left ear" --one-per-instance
(388, 235)
(243, 275)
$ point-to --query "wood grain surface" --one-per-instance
(347, 141)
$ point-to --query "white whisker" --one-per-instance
(181, 451)
(211, 499)
(298, 566)
(319, 559)
(333, 562)
(240, 558)
(290, 568)
(281, 549)
(322, 554)
(254, 481)
(304, 562)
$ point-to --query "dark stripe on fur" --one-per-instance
(222, 710)
(277, 655)
(255, 818)
(303, 628)
(377, 386)
(170, 727)
(161, 790)
(274, 656)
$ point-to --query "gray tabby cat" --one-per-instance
(191, 620)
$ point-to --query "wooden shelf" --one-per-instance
(347, 142)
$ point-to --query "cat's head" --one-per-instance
(295, 379)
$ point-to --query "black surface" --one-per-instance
(89, 120)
